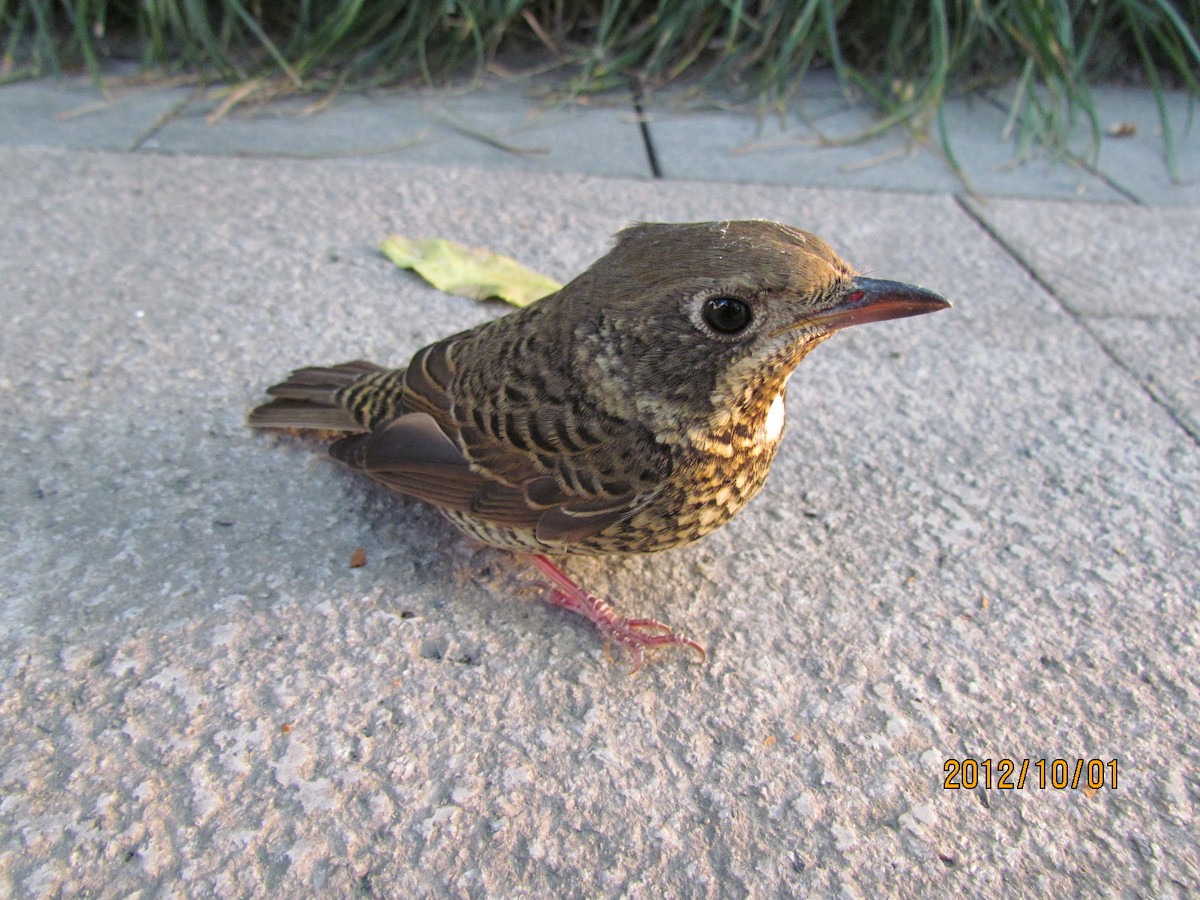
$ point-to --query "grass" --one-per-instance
(905, 57)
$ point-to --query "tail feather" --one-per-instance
(309, 399)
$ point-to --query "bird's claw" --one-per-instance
(629, 633)
(635, 635)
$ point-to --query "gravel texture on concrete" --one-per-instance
(978, 542)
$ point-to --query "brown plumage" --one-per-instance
(636, 409)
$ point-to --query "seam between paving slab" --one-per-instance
(647, 139)
(1079, 320)
(1106, 178)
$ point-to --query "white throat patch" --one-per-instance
(775, 416)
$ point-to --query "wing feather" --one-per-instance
(473, 438)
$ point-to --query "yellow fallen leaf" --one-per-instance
(468, 271)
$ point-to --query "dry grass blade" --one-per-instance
(486, 137)
(233, 96)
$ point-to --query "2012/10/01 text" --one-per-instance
(1007, 774)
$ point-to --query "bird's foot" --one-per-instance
(635, 635)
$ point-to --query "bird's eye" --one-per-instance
(728, 315)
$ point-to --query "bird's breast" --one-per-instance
(718, 468)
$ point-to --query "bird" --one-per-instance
(635, 410)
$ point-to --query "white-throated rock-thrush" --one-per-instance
(636, 409)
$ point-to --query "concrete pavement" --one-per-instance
(978, 541)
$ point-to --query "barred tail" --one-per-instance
(309, 398)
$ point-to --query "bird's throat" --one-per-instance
(773, 427)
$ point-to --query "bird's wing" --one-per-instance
(548, 469)
(412, 454)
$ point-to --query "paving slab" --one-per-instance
(73, 112)
(492, 124)
(961, 554)
(803, 148)
(1131, 273)
(1131, 152)
(994, 165)
(1106, 260)
(1136, 162)
(742, 147)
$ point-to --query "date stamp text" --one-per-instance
(1006, 774)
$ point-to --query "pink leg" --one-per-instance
(630, 633)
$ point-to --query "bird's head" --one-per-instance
(682, 320)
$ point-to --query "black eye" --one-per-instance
(728, 315)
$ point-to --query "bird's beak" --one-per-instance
(873, 300)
